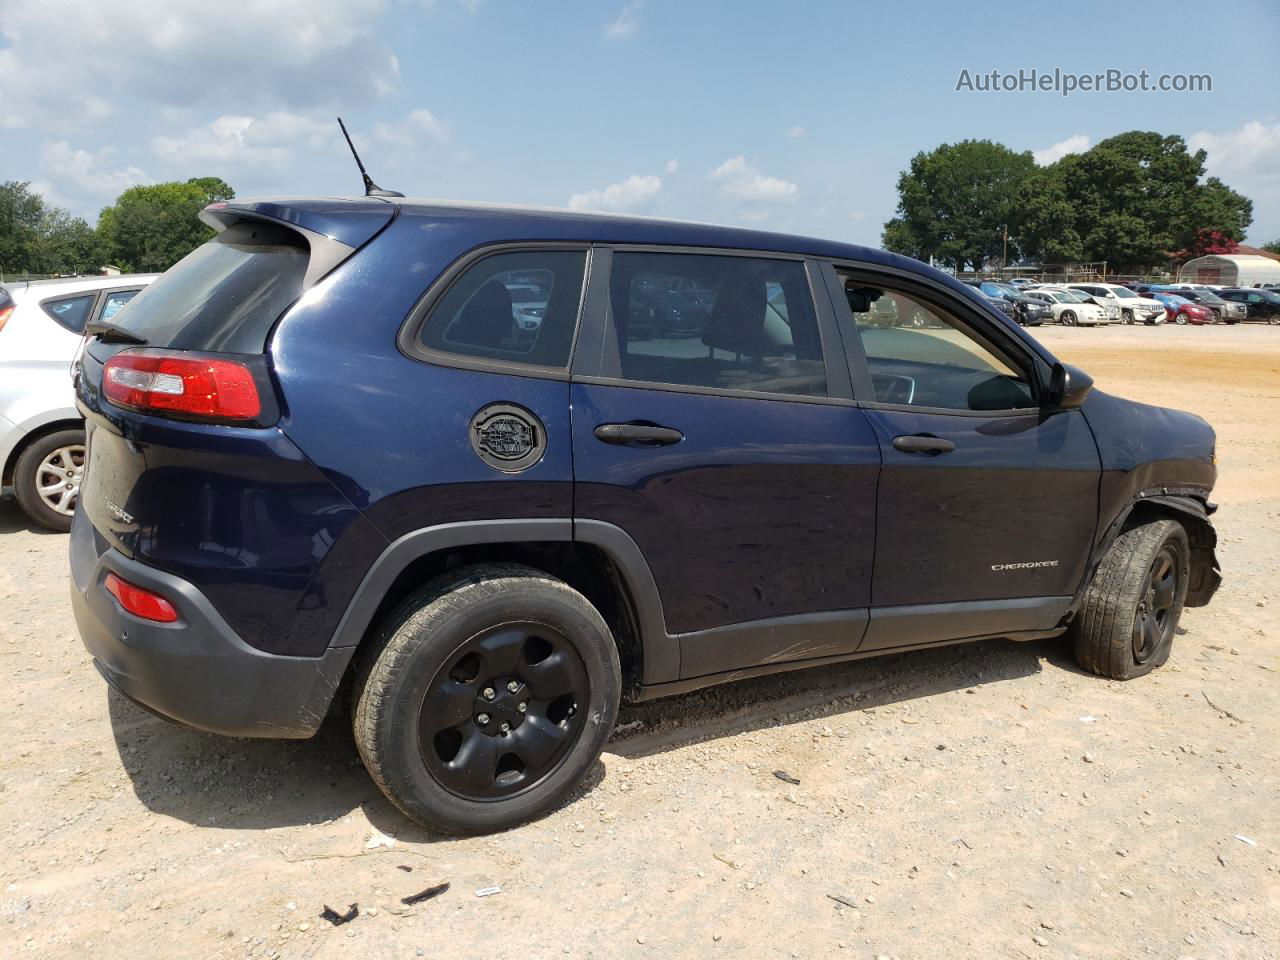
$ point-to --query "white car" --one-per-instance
(1069, 308)
(41, 432)
(528, 305)
(1132, 307)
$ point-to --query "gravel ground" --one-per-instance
(983, 800)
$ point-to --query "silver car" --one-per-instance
(41, 432)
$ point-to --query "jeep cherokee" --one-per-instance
(325, 455)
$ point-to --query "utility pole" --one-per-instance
(1004, 250)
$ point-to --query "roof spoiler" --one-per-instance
(332, 233)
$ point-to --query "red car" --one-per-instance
(1181, 310)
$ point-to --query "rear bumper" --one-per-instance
(197, 671)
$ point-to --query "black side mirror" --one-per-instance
(1068, 386)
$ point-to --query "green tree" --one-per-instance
(66, 244)
(20, 213)
(1131, 200)
(37, 238)
(1272, 247)
(955, 202)
(151, 228)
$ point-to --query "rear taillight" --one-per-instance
(141, 603)
(5, 314)
(163, 381)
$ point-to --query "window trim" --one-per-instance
(409, 339)
(1014, 349)
(598, 361)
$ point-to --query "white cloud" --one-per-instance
(744, 181)
(419, 127)
(274, 54)
(80, 174)
(627, 21)
(795, 133)
(753, 216)
(857, 215)
(1078, 143)
(243, 141)
(633, 192)
(1247, 159)
(672, 166)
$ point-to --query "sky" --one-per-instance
(793, 116)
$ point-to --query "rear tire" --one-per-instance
(46, 478)
(460, 716)
(1126, 625)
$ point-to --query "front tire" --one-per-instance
(1068, 318)
(1130, 613)
(46, 478)
(486, 698)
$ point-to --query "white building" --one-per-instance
(1231, 270)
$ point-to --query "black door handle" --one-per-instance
(638, 434)
(923, 443)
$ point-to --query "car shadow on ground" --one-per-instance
(833, 691)
(13, 520)
(223, 783)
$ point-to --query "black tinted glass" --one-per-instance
(71, 312)
(520, 306)
(730, 323)
(920, 356)
(224, 296)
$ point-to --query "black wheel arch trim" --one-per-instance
(1188, 505)
(660, 653)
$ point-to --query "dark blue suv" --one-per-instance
(484, 471)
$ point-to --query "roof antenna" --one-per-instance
(371, 189)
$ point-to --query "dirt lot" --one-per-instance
(988, 800)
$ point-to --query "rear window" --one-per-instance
(223, 296)
(70, 312)
(518, 307)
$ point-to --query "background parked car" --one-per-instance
(1133, 307)
(41, 433)
(1069, 308)
(1003, 304)
(1028, 312)
(1181, 310)
(1261, 305)
(1223, 310)
(1108, 304)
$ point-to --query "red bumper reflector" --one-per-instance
(139, 602)
(160, 381)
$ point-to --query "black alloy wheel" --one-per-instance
(1154, 623)
(485, 697)
(503, 711)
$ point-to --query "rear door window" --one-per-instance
(224, 296)
(71, 312)
(719, 322)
